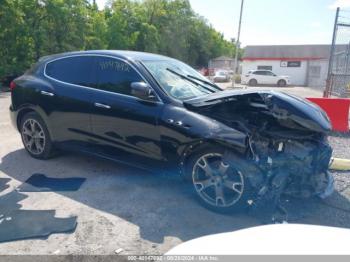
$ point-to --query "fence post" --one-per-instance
(330, 63)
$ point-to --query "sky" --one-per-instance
(274, 22)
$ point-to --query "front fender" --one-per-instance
(207, 129)
(183, 130)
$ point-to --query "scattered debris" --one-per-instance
(42, 183)
(118, 251)
(34, 224)
(17, 224)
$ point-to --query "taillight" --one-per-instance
(12, 85)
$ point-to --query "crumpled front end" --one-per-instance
(302, 163)
(287, 139)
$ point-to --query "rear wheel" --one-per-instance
(35, 136)
(219, 186)
(282, 83)
(253, 82)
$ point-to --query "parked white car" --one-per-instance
(264, 77)
(221, 76)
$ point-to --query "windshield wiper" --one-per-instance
(205, 82)
(190, 80)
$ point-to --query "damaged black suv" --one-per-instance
(237, 147)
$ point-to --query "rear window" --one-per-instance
(73, 70)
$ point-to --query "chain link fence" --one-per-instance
(340, 74)
(338, 83)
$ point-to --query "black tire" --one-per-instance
(281, 83)
(238, 203)
(46, 148)
(253, 82)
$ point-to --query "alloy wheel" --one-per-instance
(33, 136)
(216, 182)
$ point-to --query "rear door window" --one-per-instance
(75, 70)
(115, 75)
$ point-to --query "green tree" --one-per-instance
(97, 29)
(30, 29)
(16, 44)
(122, 25)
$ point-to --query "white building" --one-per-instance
(306, 65)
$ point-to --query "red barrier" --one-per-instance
(337, 110)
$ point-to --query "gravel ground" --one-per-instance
(340, 144)
(341, 149)
(140, 212)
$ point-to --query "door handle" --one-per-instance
(102, 106)
(47, 93)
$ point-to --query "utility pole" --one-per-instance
(330, 63)
(237, 44)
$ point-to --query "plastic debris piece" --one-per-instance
(118, 251)
(340, 164)
(17, 224)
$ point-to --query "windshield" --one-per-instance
(178, 79)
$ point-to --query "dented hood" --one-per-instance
(280, 105)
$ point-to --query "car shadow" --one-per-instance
(160, 205)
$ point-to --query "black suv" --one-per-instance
(238, 148)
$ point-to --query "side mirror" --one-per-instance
(142, 91)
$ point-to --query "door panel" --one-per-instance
(270, 78)
(128, 128)
(125, 127)
(70, 115)
(260, 78)
(68, 102)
